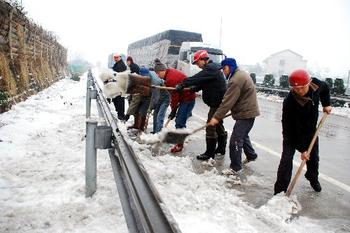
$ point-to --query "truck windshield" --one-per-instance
(216, 57)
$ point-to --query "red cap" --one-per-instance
(299, 78)
(200, 54)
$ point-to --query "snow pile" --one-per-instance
(273, 98)
(203, 203)
(281, 207)
(42, 178)
(150, 138)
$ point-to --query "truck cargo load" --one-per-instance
(165, 46)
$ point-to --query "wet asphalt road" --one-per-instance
(332, 205)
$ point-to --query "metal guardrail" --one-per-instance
(143, 208)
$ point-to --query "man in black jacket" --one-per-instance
(134, 68)
(299, 120)
(133, 100)
(213, 85)
(119, 66)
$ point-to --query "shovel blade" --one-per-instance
(175, 137)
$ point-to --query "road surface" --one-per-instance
(332, 204)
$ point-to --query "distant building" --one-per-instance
(347, 91)
(284, 62)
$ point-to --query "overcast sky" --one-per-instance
(319, 30)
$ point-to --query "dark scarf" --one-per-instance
(302, 100)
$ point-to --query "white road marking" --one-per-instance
(297, 164)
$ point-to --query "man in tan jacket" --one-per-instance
(240, 98)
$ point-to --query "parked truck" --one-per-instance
(174, 48)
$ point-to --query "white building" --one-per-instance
(284, 62)
(347, 91)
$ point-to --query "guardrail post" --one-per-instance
(88, 99)
(90, 85)
(90, 158)
(99, 108)
(90, 94)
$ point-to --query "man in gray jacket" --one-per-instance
(240, 98)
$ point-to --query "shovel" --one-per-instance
(167, 123)
(297, 174)
(174, 137)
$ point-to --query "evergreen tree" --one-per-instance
(339, 88)
(269, 80)
(329, 82)
(284, 81)
(253, 76)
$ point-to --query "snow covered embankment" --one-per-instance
(42, 168)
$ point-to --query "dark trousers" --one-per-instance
(217, 130)
(240, 140)
(285, 168)
(119, 106)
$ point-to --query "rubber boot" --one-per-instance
(126, 118)
(222, 141)
(210, 152)
(315, 184)
(137, 122)
(142, 123)
(177, 148)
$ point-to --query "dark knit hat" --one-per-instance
(158, 65)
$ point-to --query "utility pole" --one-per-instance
(347, 90)
(220, 32)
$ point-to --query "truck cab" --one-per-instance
(187, 50)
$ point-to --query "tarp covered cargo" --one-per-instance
(164, 45)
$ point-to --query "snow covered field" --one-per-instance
(42, 178)
(340, 111)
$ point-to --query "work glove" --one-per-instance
(109, 100)
(172, 114)
(179, 87)
(193, 88)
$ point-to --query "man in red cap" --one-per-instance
(212, 82)
(299, 120)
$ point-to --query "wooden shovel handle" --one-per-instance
(169, 88)
(167, 122)
(297, 174)
(207, 124)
